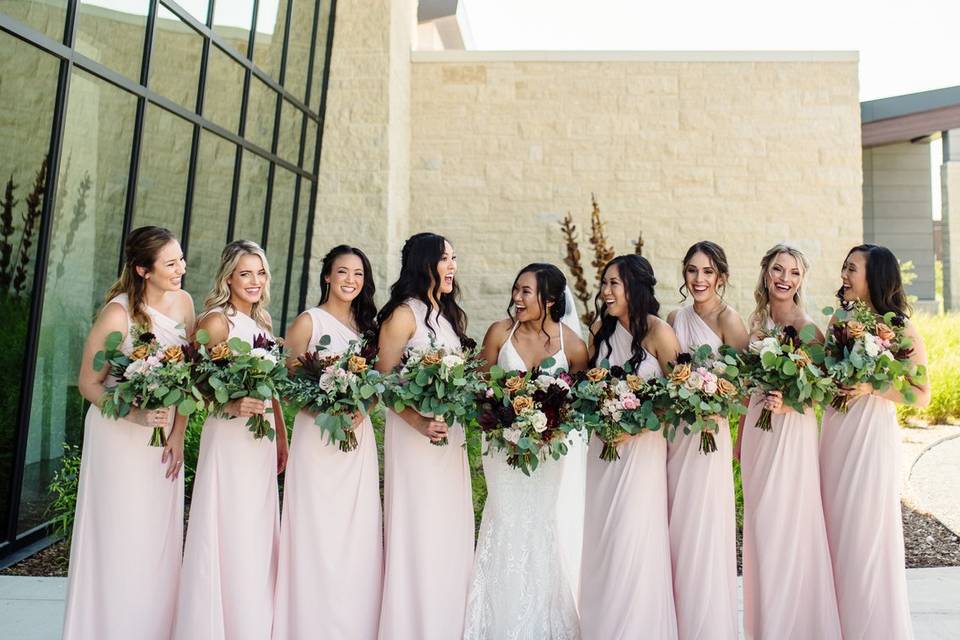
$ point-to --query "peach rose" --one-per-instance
(636, 383)
(855, 329)
(802, 358)
(432, 358)
(140, 352)
(725, 387)
(173, 353)
(680, 373)
(513, 383)
(521, 403)
(597, 374)
(885, 333)
(220, 351)
(357, 364)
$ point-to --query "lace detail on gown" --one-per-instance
(519, 589)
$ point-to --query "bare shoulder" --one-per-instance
(214, 321)
(658, 326)
(595, 326)
(672, 316)
(113, 317)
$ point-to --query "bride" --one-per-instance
(526, 569)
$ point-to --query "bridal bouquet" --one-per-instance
(236, 369)
(336, 387)
(790, 362)
(864, 347)
(151, 377)
(701, 388)
(439, 382)
(612, 403)
(527, 414)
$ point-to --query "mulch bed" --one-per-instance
(928, 544)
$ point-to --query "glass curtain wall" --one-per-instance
(202, 116)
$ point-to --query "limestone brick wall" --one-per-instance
(950, 188)
(743, 149)
(364, 182)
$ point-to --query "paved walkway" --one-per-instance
(32, 608)
(933, 477)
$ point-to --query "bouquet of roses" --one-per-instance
(862, 346)
(336, 387)
(790, 362)
(439, 382)
(527, 414)
(613, 402)
(701, 387)
(151, 377)
(236, 369)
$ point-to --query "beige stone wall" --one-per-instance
(950, 201)
(743, 149)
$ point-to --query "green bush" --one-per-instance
(63, 487)
(941, 336)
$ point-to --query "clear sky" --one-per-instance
(905, 45)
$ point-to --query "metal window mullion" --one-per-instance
(39, 279)
(311, 216)
(291, 252)
(138, 120)
(275, 143)
(244, 99)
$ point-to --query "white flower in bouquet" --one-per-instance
(452, 361)
(512, 435)
(538, 421)
(871, 346)
(623, 389)
(694, 381)
(770, 344)
(328, 381)
(263, 354)
(709, 381)
(719, 368)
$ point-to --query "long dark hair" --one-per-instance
(550, 288)
(363, 308)
(140, 249)
(883, 280)
(717, 257)
(418, 278)
(638, 283)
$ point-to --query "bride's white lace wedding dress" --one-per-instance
(521, 588)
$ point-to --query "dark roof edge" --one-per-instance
(908, 104)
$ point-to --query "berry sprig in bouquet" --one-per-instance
(528, 414)
(337, 387)
(701, 388)
(150, 377)
(865, 347)
(613, 402)
(438, 382)
(790, 362)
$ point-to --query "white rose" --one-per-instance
(543, 382)
(623, 388)
(871, 346)
(694, 382)
(452, 361)
(134, 368)
(263, 354)
(511, 435)
(327, 382)
(719, 367)
(538, 421)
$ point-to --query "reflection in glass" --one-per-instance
(252, 198)
(291, 124)
(84, 251)
(175, 61)
(319, 55)
(199, 9)
(232, 20)
(46, 16)
(278, 238)
(112, 33)
(297, 253)
(268, 41)
(224, 91)
(298, 48)
(261, 109)
(309, 146)
(164, 160)
(210, 214)
(28, 84)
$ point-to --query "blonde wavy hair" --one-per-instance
(219, 295)
(760, 315)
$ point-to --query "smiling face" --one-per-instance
(614, 293)
(447, 268)
(702, 278)
(168, 268)
(784, 277)
(248, 280)
(346, 277)
(854, 277)
(526, 298)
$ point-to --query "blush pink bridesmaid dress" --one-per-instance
(860, 484)
(128, 532)
(331, 545)
(703, 521)
(626, 589)
(230, 557)
(788, 590)
(428, 520)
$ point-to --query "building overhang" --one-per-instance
(909, 117)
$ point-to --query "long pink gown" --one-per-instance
(230, 557)
(703, 521)
(331, 547)
(788, 589)
(128, 532)
(860, 484)
(625, 579)
(428, 520)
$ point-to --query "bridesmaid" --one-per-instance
(230, 557)
(788, 587)
(428, 502)
(860, 470)
(625, 588)
(125, 557)
(702, 505)
(331, 555)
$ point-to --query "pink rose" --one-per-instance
(630, 402)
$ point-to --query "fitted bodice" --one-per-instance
(509, 358)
